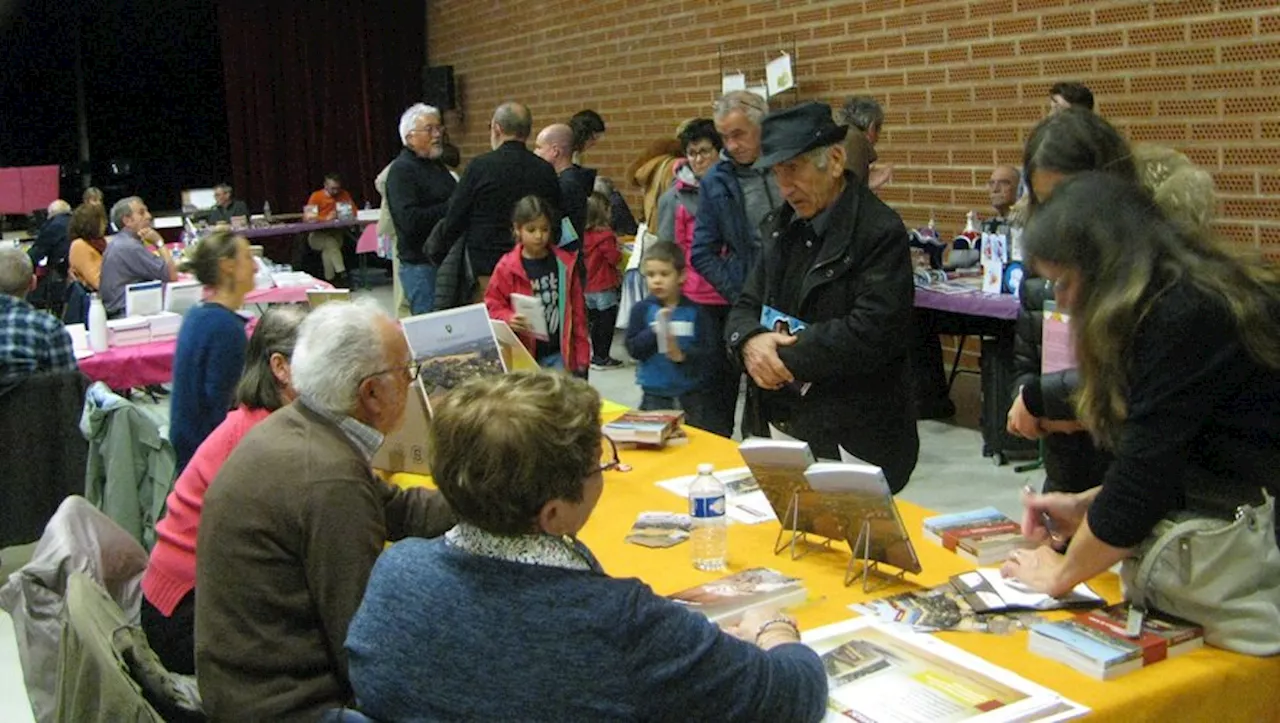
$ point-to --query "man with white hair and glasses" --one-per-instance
(735, 197)
(418, 190)
(295, 519)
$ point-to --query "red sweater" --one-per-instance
(171, 571)
(509, 278)
(603, 256)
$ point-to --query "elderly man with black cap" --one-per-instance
(836, 259)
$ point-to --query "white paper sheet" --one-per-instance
(750, 508)
(733, 81)
(533, 312)
(778, 74)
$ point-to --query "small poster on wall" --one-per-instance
(778, 74)
(733, 81)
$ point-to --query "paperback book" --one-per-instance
(984, 536)
(725, 600)
(1114, 640)
(654, 428)
(837, 500)
(660, 529)
(452, 346)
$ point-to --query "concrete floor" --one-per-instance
(951, 476)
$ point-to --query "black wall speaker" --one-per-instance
(438, 88)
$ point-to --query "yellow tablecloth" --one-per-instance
(1205, 685)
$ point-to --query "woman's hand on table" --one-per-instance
(766, 627)
(1039, 569)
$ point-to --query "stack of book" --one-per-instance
(165, 325)
(1106, 643)
(983, 537)
(646, 429)
(129, 331)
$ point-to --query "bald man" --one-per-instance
(480, 207)
(555, 146)
(52, 242)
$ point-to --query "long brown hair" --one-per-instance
(1127, 253)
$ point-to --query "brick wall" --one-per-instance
(961, 81)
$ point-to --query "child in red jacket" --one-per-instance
(536, 268)
(604, 282)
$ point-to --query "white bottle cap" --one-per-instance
(706, 468)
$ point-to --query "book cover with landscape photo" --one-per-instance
(452, 346)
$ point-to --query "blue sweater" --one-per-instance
(655, 373)
(444, 634)
(206, 368)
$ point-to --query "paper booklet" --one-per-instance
(746, 503)
(987, 591)
(179, 296)
(774, 320)
(725, 600)
(881, 673)
(833, 499)
(144, 299)
(660, 529)
(452, 346)
(534, 312)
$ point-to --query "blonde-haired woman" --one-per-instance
(521, 615)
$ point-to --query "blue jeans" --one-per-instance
(419, 284)
(551, 361)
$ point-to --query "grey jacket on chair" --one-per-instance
(131, 462)
(78, 539)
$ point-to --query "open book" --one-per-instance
(988, 592)
(831, 499)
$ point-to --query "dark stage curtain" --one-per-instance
(316, 86)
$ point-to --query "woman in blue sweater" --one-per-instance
(509, 616)
(210, 355)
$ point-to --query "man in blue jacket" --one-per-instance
(734, 198)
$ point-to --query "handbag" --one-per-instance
(1221, 574)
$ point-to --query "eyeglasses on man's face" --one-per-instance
(412, 371)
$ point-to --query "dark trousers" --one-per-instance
(693, 404)
(173, 637)
(723, 378)
(600, 325)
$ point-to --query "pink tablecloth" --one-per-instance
(123, 367)
(284, 294)
(996, 306)
(368, 241)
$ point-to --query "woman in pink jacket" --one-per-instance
(168, 585)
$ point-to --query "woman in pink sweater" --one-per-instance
(168, 586)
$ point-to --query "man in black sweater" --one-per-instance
(480, 208)
(555, 146)
(418, 190)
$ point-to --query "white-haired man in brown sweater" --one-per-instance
(295, 519)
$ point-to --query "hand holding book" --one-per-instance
(519, 324)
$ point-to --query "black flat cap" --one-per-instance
(786, 133)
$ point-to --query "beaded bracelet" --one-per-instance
(773, 621)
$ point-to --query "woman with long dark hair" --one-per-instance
(1177, 342)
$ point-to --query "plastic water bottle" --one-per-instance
(710, 535)
(97, 324)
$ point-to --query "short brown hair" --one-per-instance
(502, 447)
(666, 252)
(88, 221)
